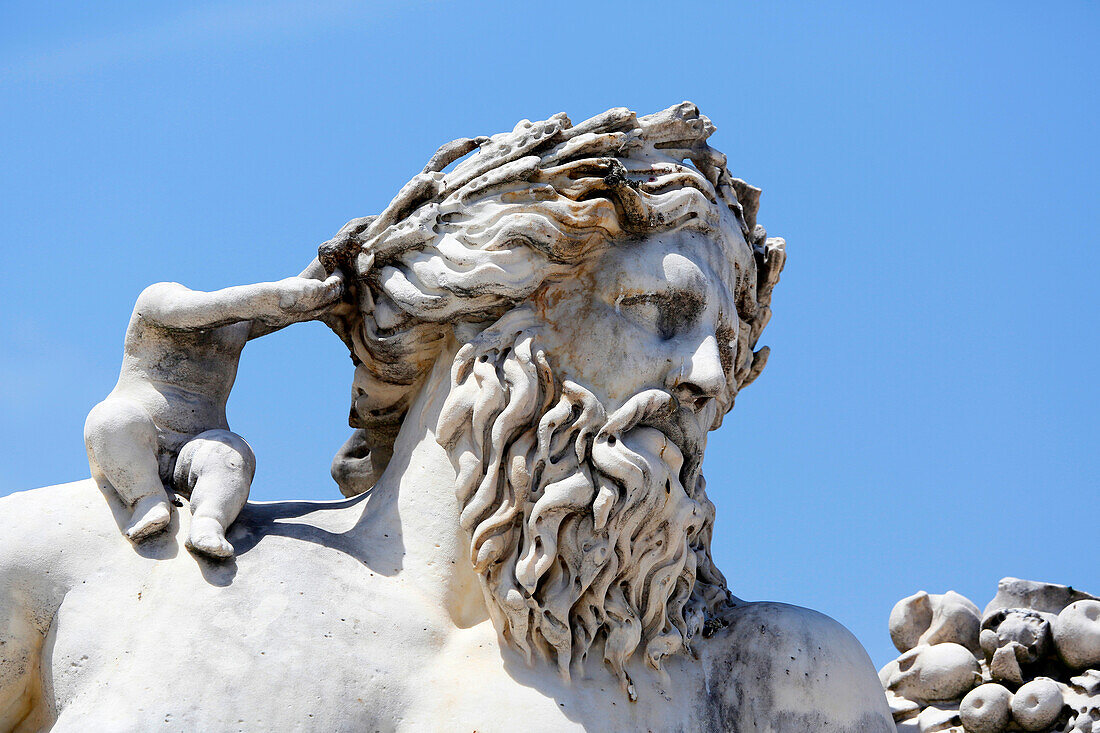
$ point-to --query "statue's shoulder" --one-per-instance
(777, 667)
(84, 492)
(51, 511)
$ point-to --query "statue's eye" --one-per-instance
(667, 314)
(640, 309)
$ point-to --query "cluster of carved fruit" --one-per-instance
(1030, 661)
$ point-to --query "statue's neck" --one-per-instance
(412, 514)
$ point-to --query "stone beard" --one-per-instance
(590, 532)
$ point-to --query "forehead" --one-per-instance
(684, 259)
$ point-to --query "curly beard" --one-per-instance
(589, 531)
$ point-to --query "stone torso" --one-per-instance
(304, 631)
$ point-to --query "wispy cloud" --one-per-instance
(187, 31)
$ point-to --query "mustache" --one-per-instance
(661, 410)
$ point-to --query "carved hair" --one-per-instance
(461, 248)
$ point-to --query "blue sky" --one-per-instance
(928, 416)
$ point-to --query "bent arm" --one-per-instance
(277, 304)
(314, 271)
(175, 306)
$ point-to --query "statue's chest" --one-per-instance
(288, 649)
(472, 686)
(289, 653)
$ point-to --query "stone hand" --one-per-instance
(304, 298)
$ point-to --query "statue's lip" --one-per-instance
(680, 427)
(661, 411)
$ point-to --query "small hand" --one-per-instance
(300, 295)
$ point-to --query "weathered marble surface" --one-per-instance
(309, 630)
(544, 333)
(164, 423)
(1030, 661)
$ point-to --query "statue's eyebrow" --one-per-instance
(670, 294)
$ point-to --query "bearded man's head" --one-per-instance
(608, 296)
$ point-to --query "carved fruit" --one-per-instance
(1077, 634)
(932, 673)
(1036, 705)
(923, 618)
(986, 709)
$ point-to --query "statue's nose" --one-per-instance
(698, 378)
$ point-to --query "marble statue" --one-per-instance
(164, 422)
(545, 324)
(1030, 661)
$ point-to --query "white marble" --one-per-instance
(164, 423)
(1077, 634)
(544, 335)
(986, 709)
(1033, 665)
(925, 618)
